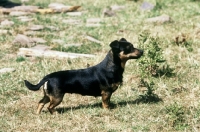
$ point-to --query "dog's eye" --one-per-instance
(127, 50)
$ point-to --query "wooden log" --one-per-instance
(50, 53)
(36, 9)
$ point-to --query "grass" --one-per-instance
(161, 104)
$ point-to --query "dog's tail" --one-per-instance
(35, 87)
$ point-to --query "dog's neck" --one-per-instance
(115, 59)
(113, 64)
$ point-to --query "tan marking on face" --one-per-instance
(123, 58)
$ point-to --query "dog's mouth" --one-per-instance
(136, 55)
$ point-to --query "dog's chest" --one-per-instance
(115, 86)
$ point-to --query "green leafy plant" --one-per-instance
(153, 62)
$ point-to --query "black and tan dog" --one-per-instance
(99, 80)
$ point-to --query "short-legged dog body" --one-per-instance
(99, 80)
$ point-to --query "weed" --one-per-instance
(149, 96)
(20, 59)
(176, 116)
(182, 41)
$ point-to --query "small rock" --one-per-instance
(74, 13)
(109, 13)
(3, 31)
(93, 20)
(71, 21)
(52, 28)
(93, 25)
(25, 19)
(58, 41)
(70, 45)
(146, 6)
(39, 40)
(58, 6)
(18, 13)
(117, 7)
(7, 23)
(159, 19)
(93, 39)
(25, 8)
(41, 47)
(6, 70)
(36, 27)
(25, 41)
(31, 33)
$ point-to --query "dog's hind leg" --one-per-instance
(44, 100)
(41, 103)
(54, 101)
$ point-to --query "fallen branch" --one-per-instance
(36, 9)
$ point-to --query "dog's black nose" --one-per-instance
(141, 51)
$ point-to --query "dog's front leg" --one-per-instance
(106, 98)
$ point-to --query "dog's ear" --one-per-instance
(123, 39)
(114, 44)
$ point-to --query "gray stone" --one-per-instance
(25, 41)
(74, 13)
(36, 27)
(72, 21)
(117, 7)
(147, 6)
(109, 12)
(25, 19)
(39, 40)
(159, 19)
(3, 31)
(18, 13)
(7, 23)
(25, 8)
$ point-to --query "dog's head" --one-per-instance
(125, 50)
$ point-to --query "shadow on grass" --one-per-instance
(141, 99)
(8, 4)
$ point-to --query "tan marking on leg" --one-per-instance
(53, 103)
(105, 98)
(41, 103)
(44, 100)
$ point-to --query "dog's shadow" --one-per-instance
(140, 100)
